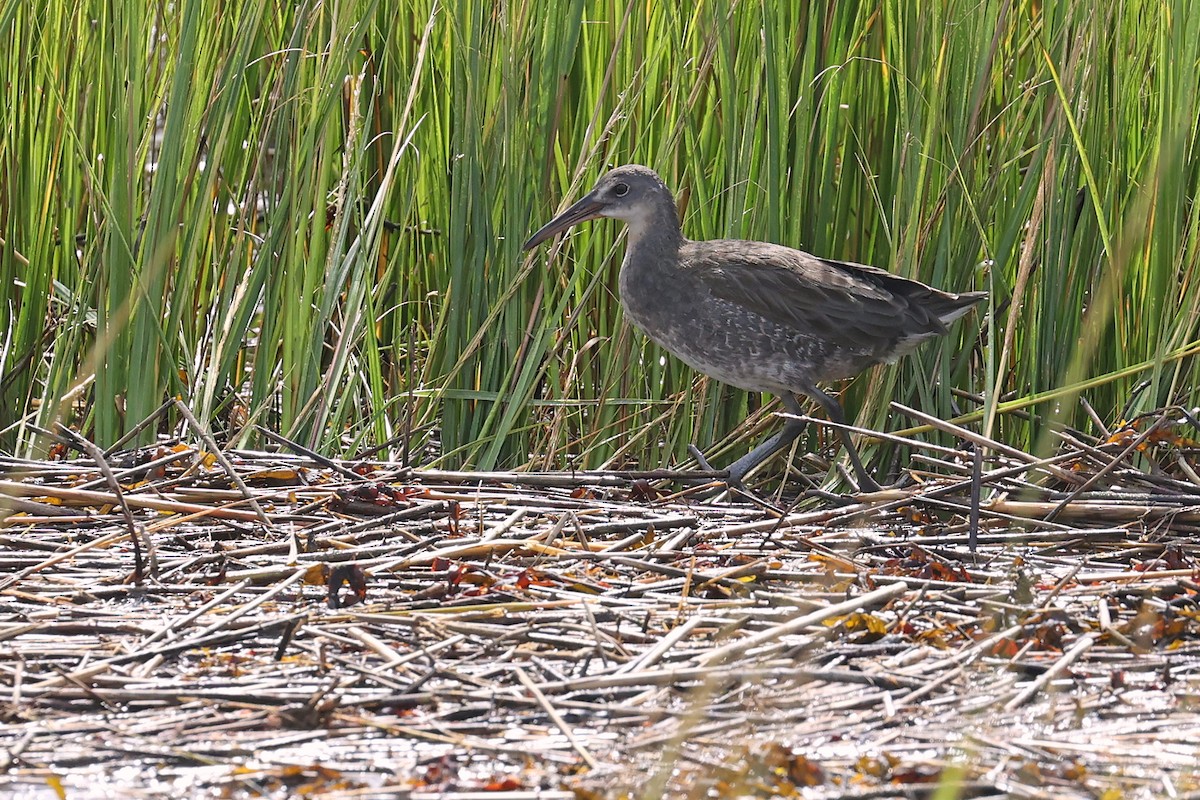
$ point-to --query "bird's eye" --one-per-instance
(621, 189)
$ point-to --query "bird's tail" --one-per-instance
(958, 305)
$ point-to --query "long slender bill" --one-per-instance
(587, 208)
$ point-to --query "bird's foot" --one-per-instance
(731, 478)
(868, 485)
(695, 453)
(736, 473)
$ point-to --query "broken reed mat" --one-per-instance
(180, 621)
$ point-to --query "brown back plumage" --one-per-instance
(850, 306)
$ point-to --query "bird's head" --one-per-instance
(632, 193)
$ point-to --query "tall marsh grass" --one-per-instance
(309, 215)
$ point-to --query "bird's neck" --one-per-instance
(659, 231)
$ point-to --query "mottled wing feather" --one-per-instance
(852, 307)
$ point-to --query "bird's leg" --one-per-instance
(740, 468)
(833, 410)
